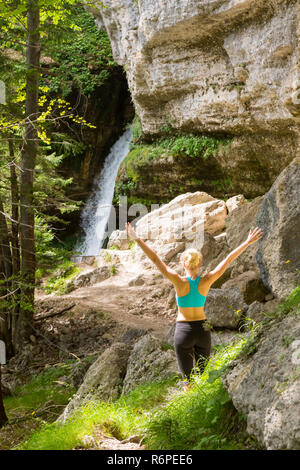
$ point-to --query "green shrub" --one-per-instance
(57, 283)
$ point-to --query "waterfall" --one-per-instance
(95, 215)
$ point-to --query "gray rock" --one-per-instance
(257, 311)
(266, 386)
(223, 308)
(131, 335)
(225, 337)
(250, 285)
(118, 238)
(148, 362)
(103, 380)
(92, 277)
(137, 281)
(238, 224)
(78, 373)
(278, 254)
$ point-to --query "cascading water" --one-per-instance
(95, 215)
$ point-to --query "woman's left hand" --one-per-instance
(254, 235)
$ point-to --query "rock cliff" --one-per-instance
(221, 67)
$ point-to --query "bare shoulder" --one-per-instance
(206, 278)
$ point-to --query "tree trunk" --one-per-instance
(5, 283)
(14, 241)
(27, 172)
(3, 417)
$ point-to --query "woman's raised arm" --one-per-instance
(169, 273)
(253, 236)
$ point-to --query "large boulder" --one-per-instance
(238, 224)
(166, 251)
(266, 387)
(103, 380)
(118, 238)
(250, 285)
(91, 277)
(278, 254)
(184, 218)
(235, 202)
(257, 311)
(223, 308)
(149, 362)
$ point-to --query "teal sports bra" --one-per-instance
(193, 298)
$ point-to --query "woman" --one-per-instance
(191, 339)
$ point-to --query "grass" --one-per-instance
(202, 418)
(125, 416)
(42, 399)
(188, 145)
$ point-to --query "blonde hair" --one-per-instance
(191, 258)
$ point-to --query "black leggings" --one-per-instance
(191, 342)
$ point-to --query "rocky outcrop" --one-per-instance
(91, 277)
(185, 218)
(215, 67)
(103, 380)
(258, 310)
(223, 308)
(278, 253)
(148, 362)
(266, 387)
(238, 224)
(250, 285)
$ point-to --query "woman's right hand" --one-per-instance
(130, 231)
(254, 235)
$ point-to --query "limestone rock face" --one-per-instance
(278, 254)
(258, 310)
(266, 387)
(222, 66)
(118, 238)
(87, 279)
(235, 202)
(103, 380)
(148, 362)
(223, 307)
(238, 224)
(250, 286)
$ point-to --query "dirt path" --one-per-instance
(117, 298)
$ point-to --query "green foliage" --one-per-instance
(292, 302)
(136, 128)
(83, 54)
(29, 399)
(192, 146)
(59, 281)
(200, 418)
(121, 418)
(189, 145)
(113, 270)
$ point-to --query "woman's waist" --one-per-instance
(191, 316)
